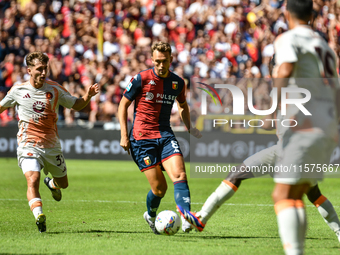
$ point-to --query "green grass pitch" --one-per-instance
(102, 213)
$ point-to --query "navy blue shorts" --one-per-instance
(149, 153)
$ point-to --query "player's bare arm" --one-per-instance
(2, 108)
(122, 116)
(83, 101)
(184, 112)
(284, 72)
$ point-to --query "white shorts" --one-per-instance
(51, 160)
(30, 164)
(265, 157)
(299, 152)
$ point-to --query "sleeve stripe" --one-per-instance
(53, 83)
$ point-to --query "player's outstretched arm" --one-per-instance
(122, 116)
(83, 101)
(184, 112)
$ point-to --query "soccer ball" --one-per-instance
(167, 222)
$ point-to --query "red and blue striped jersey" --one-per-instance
(154, 97)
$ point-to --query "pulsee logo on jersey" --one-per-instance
(239, 103)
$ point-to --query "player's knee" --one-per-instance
(276, 196)
(181, 176)
(314, 193)
(33, 181)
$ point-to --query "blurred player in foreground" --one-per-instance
(300, 53)
(37, 102)
(306, 57)
(152, 142)
(251, 168)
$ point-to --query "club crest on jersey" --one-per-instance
(175, 85)
(147, 161)
(49, 95)
(149, 96)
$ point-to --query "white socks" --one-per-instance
(291, 219)
(223, 192)
(36, 206)
(328, 213)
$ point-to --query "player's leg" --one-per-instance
(158, 186)
(291, 216)
(174, 166)
(249, 169)
(223, 192)
(145, 155)
(55, 164)
(325, 209)
(31, 169)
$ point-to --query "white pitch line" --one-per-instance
(138, 202)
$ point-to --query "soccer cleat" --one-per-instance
(41, 223)
(151, 223)
(186, 226)
(56, 193)
(191, 218)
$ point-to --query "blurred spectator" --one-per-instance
(212, 40)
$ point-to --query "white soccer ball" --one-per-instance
(168, 222)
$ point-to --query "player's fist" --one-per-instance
(93, 90)
(195, 132)
(125, 144)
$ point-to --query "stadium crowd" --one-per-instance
(212, 41)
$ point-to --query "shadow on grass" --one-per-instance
(98, 231)
(191, 236)
(243, 237)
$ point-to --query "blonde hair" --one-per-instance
(162, 47)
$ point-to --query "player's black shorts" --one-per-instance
(149, 153)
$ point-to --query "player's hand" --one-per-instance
(125, 143)
(195, 132)
(93, 90)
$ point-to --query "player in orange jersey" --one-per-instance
(37, 102)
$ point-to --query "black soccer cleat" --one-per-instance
(56, 193)
(41, 223)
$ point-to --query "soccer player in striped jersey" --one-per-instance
(151, 141)
(37, 102)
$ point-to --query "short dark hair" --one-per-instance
(42, 57)
(301, 9)
(162, 47)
